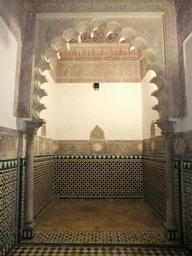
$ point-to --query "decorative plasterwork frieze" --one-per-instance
(83, 72)
(92, 63)
(94, 5)
(99, 147)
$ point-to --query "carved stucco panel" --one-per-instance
(176, 106)
(97, 6)
(26, 68)
(99, 71)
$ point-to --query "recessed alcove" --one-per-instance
(100, 165)
(123, 64)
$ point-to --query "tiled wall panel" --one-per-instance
(177, 199)
(155, 183)
(8, 204)
(21, 198)
(187, 198)
(179, 210)
(43, 183)
(98, 177)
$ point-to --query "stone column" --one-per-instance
(29, 225)
(170, 224)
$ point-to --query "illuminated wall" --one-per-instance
(116, 108)
(8, 57)
(187, 47)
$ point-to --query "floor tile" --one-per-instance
(51, 250)
(104, 237)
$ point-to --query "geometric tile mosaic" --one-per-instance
(8, 204)
(187, 185)
(108, 177)
(33, 250)
(98, 237)
(155, 183)
(21, 203)
(43, 183)
(177, 202)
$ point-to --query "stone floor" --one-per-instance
(99, 227)
(99, 221)
(98, 215)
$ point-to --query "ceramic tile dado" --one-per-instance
(98, 178)
(8, 203)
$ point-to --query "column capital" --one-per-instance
(166, 126)
(32, 127)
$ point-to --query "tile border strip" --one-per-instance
(43, 158)
(131, 157)
(187, 165)
(8, 164)
(160, 159)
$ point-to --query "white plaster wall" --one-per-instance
(49, 113)
(187, 121)
(8, 61)
(148, 102)
(116, 108)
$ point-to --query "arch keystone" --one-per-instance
(98, 23)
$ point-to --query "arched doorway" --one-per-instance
(60, 46)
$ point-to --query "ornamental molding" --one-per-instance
(97, 134)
